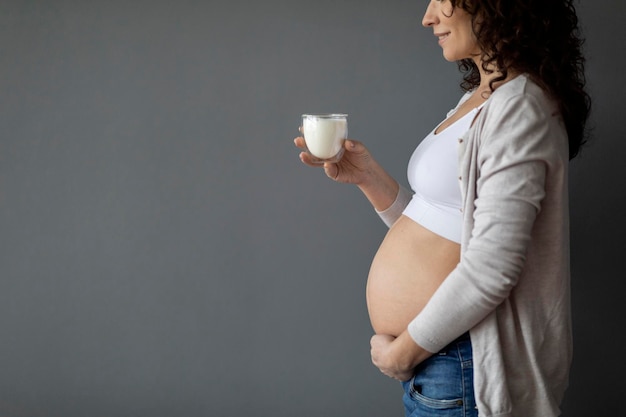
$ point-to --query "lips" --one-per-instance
(442, 36)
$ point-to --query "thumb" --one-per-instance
(354, 146)
(376, 341)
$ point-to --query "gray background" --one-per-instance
(163, 251)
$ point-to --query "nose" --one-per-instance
(430, 16)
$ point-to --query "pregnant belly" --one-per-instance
(408, 268)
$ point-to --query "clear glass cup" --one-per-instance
(324, 136)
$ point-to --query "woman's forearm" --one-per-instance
(380, 188)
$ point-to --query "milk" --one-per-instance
(325, 134)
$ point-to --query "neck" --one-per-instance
(490, 74)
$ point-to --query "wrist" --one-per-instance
(408, 352)
(379, 187)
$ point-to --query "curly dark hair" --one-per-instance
(540, 38)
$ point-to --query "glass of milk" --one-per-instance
(324, 135)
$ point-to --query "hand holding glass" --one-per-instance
(324, 136)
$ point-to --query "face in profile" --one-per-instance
(453, 28)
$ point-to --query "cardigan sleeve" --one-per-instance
(514, 150)
(393, 212)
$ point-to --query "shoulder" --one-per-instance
(520, 93)
(520, 117)
(518, 103)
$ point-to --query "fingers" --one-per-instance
(304, 156)
(306, 159)
(299, 142)
(331, 170)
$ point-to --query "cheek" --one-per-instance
(447, 9)
(473, 44)
(470, 39)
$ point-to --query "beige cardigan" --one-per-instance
(512, 286)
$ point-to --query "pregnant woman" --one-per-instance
(469, 292)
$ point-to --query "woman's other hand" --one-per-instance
(397, 357)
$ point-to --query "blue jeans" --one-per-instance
(443, 385)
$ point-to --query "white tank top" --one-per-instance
(433, 176)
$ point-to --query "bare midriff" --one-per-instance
(409, 266)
